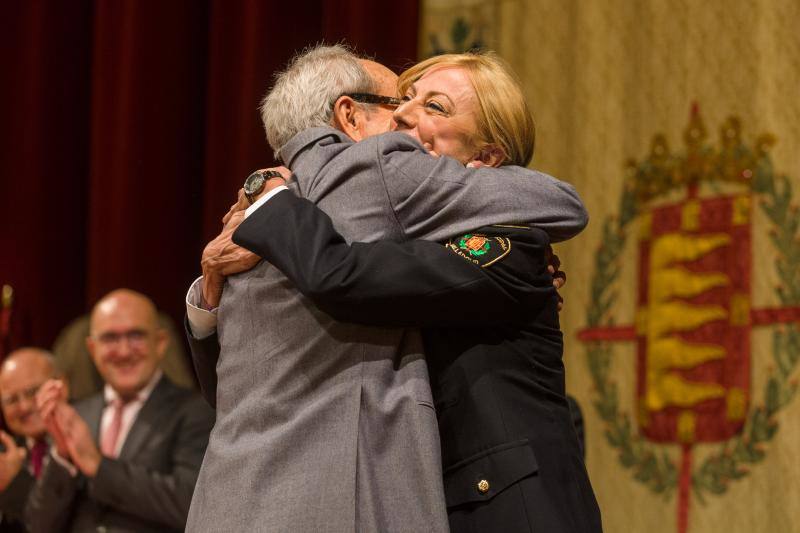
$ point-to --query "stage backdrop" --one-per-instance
(128, 127)
(679, 123)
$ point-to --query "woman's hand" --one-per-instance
(559, 276)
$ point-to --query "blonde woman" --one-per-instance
(485, 299)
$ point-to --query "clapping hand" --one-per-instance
(12, 458)
(80, 444)
(49, 396)
(71, 435)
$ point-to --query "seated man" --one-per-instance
(72, 358)
(125, 459)
(21, 375)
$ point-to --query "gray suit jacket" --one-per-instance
(147, 488)
(329, 426)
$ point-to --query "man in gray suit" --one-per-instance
(322, 425)
(125, 459)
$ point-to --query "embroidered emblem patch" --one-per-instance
(474, 245)
(480, 249)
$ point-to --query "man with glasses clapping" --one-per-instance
(125, 459)
(21, 455)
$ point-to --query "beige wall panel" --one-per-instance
(603, 78)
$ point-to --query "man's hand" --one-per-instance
(559, 276)
(221, 258)
(241, 204)
(48, 398)
(71, 435)
(81, 448)
(11, 460)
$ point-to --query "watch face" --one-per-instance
(254, 183)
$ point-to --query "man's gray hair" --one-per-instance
(304, 93)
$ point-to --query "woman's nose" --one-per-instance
(404, 116)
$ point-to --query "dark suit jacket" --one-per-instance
(148, 487)
(577, 422)
(14, 499)
(205, 353)
(493, 344)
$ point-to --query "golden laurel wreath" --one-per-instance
(645, 180)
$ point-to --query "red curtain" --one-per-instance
(129, 127)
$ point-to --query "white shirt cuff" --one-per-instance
(71, 468)
(202, 322)
(261, 201)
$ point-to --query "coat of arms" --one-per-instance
(692, 213)
(474, 244)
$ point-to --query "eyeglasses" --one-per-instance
(12, 400)
(136, 337)
(368, 98)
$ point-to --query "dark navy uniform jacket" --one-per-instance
(489, 315)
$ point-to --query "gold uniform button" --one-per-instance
(483, 486)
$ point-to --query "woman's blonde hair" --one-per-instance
(503, 118)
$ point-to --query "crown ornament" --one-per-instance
(732, 160)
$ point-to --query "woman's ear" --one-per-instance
(345, 117)
(491, 155)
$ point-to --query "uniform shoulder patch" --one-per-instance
(482, 250)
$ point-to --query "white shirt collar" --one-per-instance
(30, 442)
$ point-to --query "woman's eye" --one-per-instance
(435, 106)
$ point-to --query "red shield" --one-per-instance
(693, 322)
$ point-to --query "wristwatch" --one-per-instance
(254, 183)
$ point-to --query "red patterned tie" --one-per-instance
(108, 444)
(38, 452)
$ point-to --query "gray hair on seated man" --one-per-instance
(304, 93)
